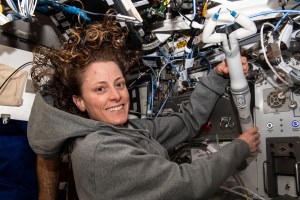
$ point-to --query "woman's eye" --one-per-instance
(120, 84)
(100, 89)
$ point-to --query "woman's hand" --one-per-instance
(251, 136)
(222, 68)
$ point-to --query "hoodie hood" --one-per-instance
(50, 128)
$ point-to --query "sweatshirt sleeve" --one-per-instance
(179, 127)
(141, 175)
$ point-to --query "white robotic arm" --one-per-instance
(238, 83)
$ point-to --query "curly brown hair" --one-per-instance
(58, 72)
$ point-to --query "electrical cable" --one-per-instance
(238, 179)
(12, 74)
(160, 71)
(279, 44)
(281, 57)
(264, 51)
(165, 101)
(175, 4)
(44, 4)
(246, 189)
(279, 11)
(137, 86)
(12, 5)
(117, 16)
(168, 59)
(140, 76)
(296, 18)
(284, 16)
(194, 8)
(264, 13)
(184, 16)
(207, 61)
(21, 7)
(153, 93)
(171, 57)
(34, 7)
(234, 192)
(149, 103)
(190, 55)
(150, 99)
(154, 73)
(24, 8)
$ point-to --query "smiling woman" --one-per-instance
(104, 93)
(87, 47)
(82, 105)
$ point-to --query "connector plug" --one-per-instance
(233, 13)
(215, 17)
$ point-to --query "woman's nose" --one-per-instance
(115, 94)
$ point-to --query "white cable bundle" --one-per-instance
(25, 8)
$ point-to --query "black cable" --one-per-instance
(184, 16)
(114, 14)
(18, 69)
(176, 7)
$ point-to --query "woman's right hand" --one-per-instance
(251, 136)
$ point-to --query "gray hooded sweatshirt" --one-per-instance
(116, 162)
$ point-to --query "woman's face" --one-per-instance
(104, 93)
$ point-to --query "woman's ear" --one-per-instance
(79, 103)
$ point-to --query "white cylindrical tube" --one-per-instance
(248, 27)
(233, 58)
(209, 37)
(238, 84)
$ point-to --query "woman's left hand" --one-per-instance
(222, 68)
